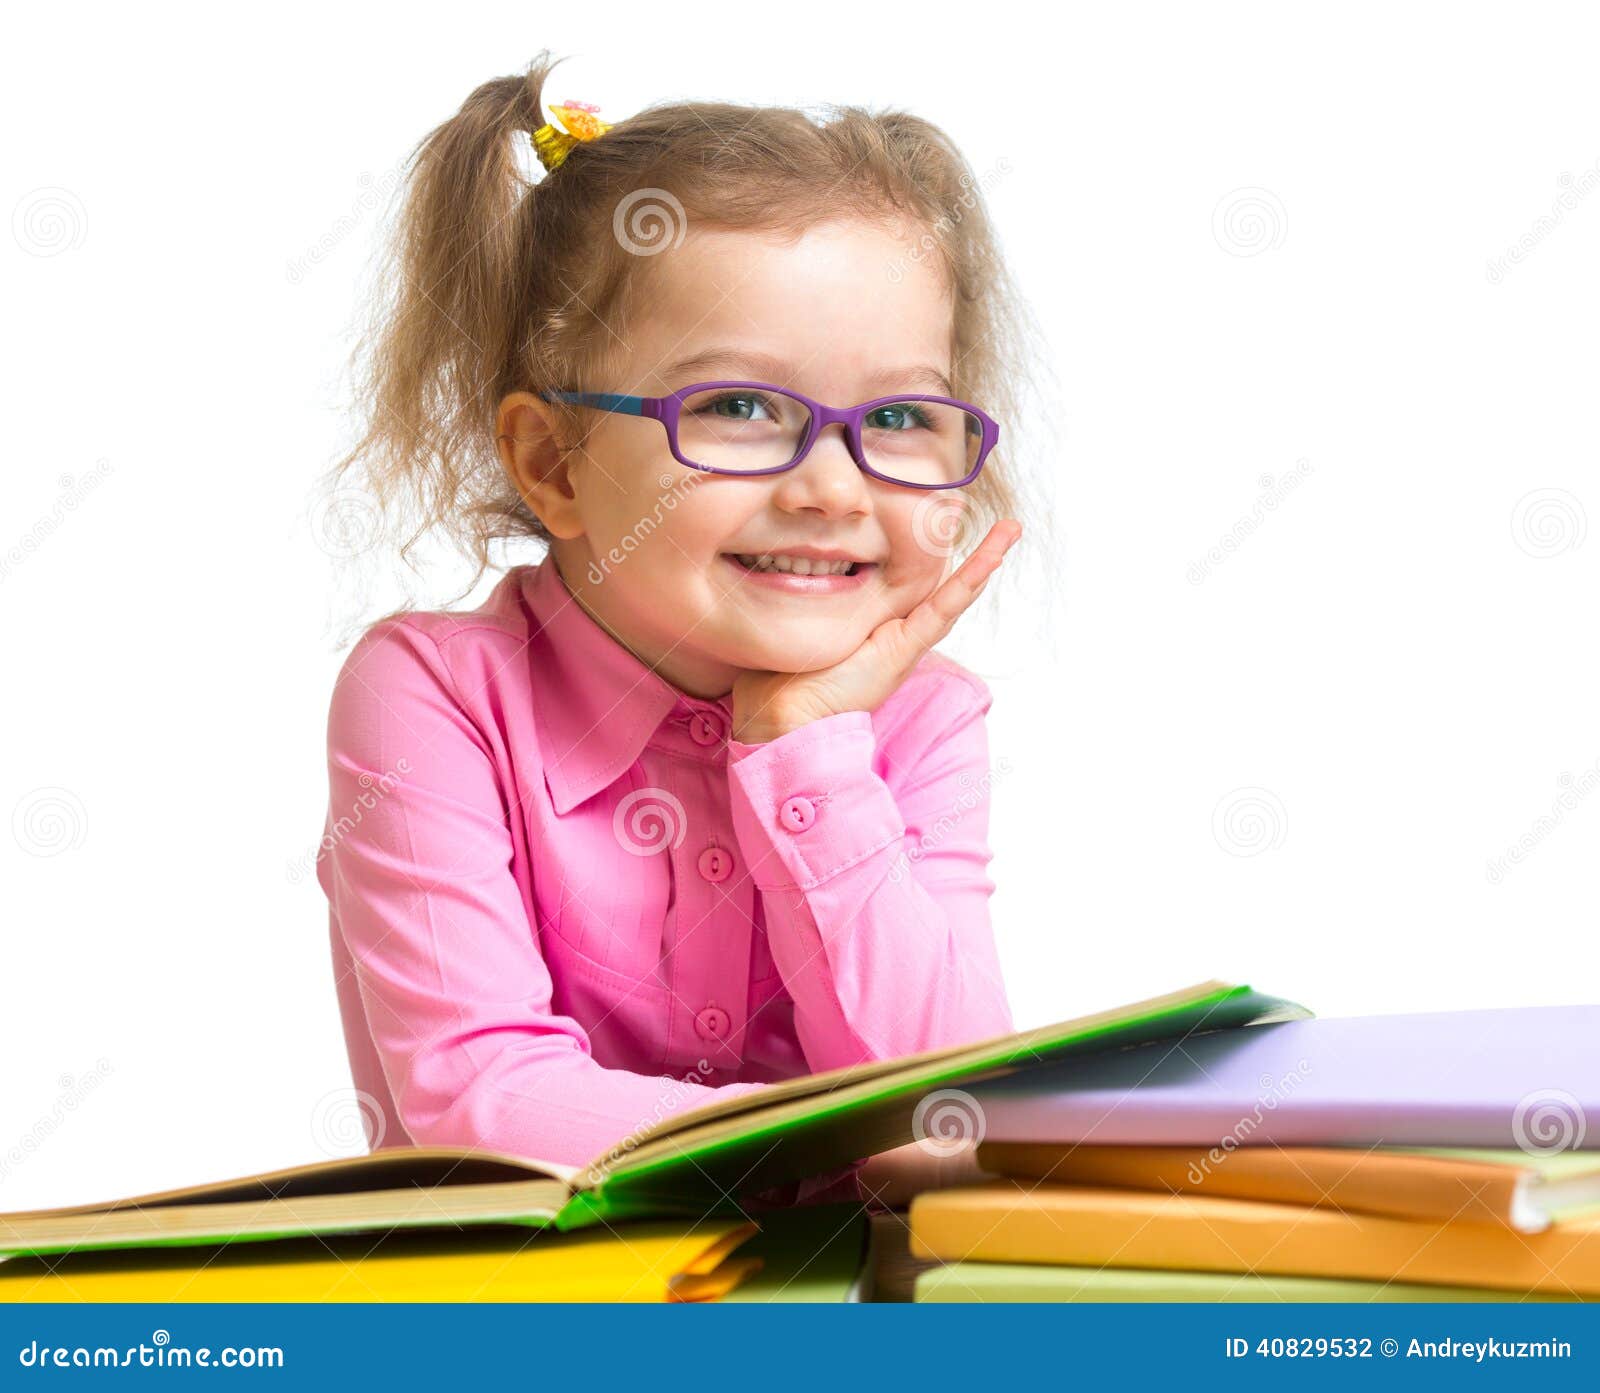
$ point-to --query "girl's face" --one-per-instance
(846, 313)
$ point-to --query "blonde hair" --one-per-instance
(495, 284)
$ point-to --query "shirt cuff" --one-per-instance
(809, 804)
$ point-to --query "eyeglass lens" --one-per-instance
(745, 429)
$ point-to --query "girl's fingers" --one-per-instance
(936, 616)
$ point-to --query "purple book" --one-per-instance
(1526, 1077)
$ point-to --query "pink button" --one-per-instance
(715, 863)
(704, 729)
(797, 814)
(711, 1023)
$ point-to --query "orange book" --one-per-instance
(1508, 1188)
(1012, 1221)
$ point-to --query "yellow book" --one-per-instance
(1008, 1221)
(652, 1261)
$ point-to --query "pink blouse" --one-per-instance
(564, 904)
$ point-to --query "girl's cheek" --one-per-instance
(916, 561)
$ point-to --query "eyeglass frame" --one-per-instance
(669, 408)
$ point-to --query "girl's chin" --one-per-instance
(796, 648)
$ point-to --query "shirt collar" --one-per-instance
(597, 704)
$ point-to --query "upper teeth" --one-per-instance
(800, 565)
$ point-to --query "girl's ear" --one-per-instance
(527, 438)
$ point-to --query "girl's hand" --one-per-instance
(769, 704)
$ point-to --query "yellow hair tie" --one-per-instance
(578, 124)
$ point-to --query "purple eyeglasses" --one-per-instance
(917, 441)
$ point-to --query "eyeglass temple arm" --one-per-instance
(605, 401)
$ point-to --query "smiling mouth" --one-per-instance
(779, 564)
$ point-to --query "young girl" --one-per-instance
(689, 806)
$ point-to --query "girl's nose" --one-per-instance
(827, 480)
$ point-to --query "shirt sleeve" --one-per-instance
(456, 992)
(877, 894)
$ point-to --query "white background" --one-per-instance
(1397, 663)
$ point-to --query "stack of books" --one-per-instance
(1442, 1157)
(671, 1215)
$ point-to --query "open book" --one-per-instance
(697, 1162)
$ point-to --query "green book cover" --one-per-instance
(823, 1121)
(812, 1253)
(988, 1282)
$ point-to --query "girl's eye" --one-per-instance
(735, 406)
(904, 415)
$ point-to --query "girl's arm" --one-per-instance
(877, 896)
(419, 878)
